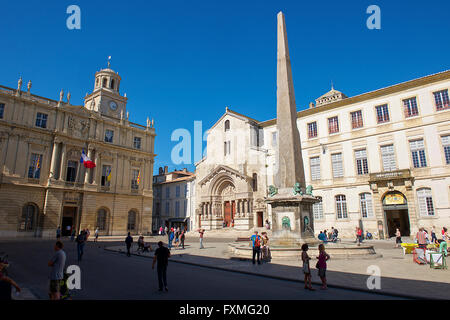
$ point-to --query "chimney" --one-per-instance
(161, 170)
(166, 169)
(311, 105)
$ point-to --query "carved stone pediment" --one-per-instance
(78, 127)
(223, 169)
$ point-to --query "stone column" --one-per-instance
(53, 164)
(63, 164)
(97, 168)
(88, 172)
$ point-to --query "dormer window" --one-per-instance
(227, 125)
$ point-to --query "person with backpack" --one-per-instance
(129, 242)
(256, 242)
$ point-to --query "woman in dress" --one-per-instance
(306, 268)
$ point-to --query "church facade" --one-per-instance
(45, 147)
(379, 160)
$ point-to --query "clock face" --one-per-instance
(113, 105)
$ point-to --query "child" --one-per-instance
(306, 269)
(322, 265)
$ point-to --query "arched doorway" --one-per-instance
(102, 221)
(132, 221)
(395, 208)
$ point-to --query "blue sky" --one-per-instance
(182, 61)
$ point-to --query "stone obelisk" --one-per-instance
(290, 200)
(290, 161)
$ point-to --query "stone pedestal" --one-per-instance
(243, 223)
(292, 218)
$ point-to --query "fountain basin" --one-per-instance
(293, 252)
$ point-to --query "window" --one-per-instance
(333, 125)
(227, 147)
(388, 158)
(177, 191)
(112, 83)
(28, 218)
(41, 120)
(274, 139)
(312, 130)
(425, 200)
(341, 207)
(137, 142)
(135, 179)
(255, 182)
(227, 125)
(167, 207)
(357, 120)
(2, 110)
(365, 201)
(410, 107)
(34, 171)
(167, 192)
(71, 170)
(382, 113)
(441, 100)
(109, 136)
(446, 145)
(318, 209)
(131, 225)
(177, 209)
(315, 168)
(104, 82)
(106, 176)
(101, 219)
(336, 161)
(361, 162)
(418, 153)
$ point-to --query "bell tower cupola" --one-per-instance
(106, 98)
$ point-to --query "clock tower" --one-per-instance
(106, 98)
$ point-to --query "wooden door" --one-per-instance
(227, 213)
(260, 219)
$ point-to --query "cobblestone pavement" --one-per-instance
(399, 274)
(111, 275)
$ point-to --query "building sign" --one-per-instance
(388, 175)
(394, 199)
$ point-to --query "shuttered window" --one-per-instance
(365, 201)
(361, 162)
(425, 200)
(418, 153)
(315, 168)
(388, 158)
(318, 209)
(336, 160)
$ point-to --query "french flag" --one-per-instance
(88, 163)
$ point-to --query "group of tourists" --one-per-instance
(260, 245)
(331, 236)
(176, 235)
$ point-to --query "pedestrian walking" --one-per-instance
(398, 238)
(81, 240)
(182, 237)
(129, 242)
(256, 244)
(201, 231)
(96, 235)
(265, 247)
(322, 265)
(57, 263)
(58, 233)
(421, 238)
(166, 229)
(306, 268)
(160, 230)
(161, 257)
(177, 238)
(72, 236)
(171, 237)
(433, 235)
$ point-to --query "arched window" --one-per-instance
(131, 225)
(112, 84)
(341, 207)
(318, 209)
(102, 219)
(96, 82)
(227, 125)
(425, 199)
(365, 201)
(28, 218)
(105, 81)
(255, 182)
